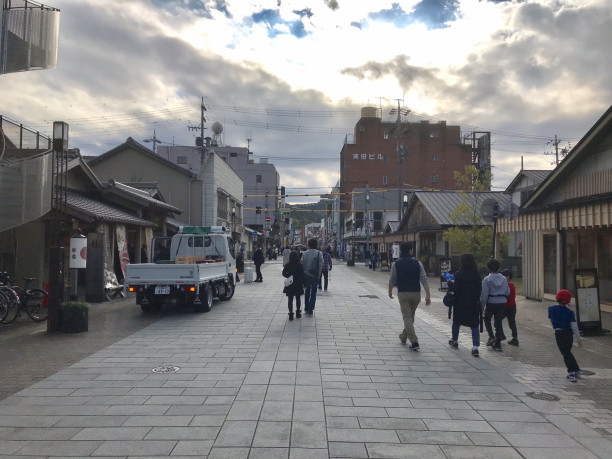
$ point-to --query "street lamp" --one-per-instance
(58, 205)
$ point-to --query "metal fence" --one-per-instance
(25, 174)
(29, 36)
(25, 190)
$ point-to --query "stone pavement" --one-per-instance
(242, 381)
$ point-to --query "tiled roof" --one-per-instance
(537, 175)
(139, 195)
(91, 210)
(441, 203)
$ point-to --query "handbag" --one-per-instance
(449, 299)
(288, 281)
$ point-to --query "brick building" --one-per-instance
(432, 152)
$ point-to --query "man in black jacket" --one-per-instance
(258, 259)
(406, 273)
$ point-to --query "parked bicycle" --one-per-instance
(33, 301)
(8, 299)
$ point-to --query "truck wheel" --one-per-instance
(229, 290)
(206, 298)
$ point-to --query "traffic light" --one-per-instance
(281, 212)
(258, 210)
(282, 191)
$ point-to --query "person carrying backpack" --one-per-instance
(312, 261)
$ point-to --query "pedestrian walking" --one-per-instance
(466, 308)
(312, 261)
(295, 270)
(563, 321)
(495, 293)
(406, 273)
(374, 260)
(258, 259)
(511, 308)
(327, 267)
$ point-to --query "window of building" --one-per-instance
(181, 160)
(434, 157)
(386, 134)
(233, 155)
(384, 179)
(222, 207)
(433, 179)
(433, 134)
(258, 178)
(378, 220)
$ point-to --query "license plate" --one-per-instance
(162, 290)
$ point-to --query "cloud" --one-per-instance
(276, 25)
(332, 4)
(306, 12)
(200, 8)
(434, 14)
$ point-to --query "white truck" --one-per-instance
(190, 268)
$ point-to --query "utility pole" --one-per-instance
(200, 140)
(402, 152)
(564, 151)
(154, 140)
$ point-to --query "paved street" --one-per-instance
(248, 383)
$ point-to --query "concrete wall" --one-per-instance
(31, 256)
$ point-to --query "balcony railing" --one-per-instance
(29, 33)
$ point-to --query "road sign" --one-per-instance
(268, 219)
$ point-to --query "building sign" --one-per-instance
(369, 157)
(588, 313)
(395, 252)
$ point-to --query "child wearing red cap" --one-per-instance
(563, 321)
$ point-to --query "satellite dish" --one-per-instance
(217, 127)
(489, 210)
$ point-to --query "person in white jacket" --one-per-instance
(495, 293)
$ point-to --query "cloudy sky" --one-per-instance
(293, 75)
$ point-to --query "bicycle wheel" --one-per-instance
(36, 304)
(4, 307)
(12, 303)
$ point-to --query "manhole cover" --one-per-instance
(166, 369)
(368, 296)
(543, 396)
(588, 373)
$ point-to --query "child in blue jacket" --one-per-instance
(563, 321)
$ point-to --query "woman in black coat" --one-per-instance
(296, 289)
(466, 308)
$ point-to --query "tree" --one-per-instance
(469, 233)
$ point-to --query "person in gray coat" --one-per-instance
(495, 293)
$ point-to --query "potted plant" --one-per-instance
(74, 316)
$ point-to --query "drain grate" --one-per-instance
(166, 369)
(543, 396)
(368, 296)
